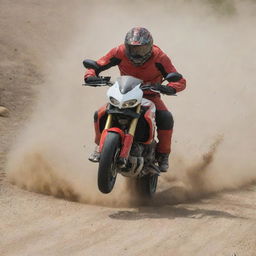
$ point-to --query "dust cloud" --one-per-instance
(211, 43)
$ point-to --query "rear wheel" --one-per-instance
(107, 165)
(146, 185)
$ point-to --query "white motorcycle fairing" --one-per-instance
(126, 92)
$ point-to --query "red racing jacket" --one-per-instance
(152, 71)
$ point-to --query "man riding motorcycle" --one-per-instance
(138, 57)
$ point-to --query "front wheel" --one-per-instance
(107, 165)
(146, 185)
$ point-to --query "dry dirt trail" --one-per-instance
(205, 206)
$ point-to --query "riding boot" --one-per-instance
(95, 156)
(163, 161)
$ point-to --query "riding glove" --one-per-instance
(168, 90)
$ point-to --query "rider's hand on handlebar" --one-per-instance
(98, 81)
(165, 89)
(92, 80)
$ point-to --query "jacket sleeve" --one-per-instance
(105, 62)
(166, 66)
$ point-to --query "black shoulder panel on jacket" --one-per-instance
(113, 62)
(161, 68)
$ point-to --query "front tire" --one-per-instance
(107, 166)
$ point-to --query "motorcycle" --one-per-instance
(126, 128)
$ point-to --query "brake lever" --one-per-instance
(98, 85)
(92, 85)
(150, 88)
(147, 87)
(154, 90)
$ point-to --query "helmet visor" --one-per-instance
(138, 51)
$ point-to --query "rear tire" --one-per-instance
(146, 185)
(107, 166)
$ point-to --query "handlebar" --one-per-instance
(99, 81)
(105, 81)
(147, 87)
(98, 84)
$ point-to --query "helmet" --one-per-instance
(138, 45)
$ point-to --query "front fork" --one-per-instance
(127, 139)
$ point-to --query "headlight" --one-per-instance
(129, 103)
(113, 101)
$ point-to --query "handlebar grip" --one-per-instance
(160, 88)
(168, 90)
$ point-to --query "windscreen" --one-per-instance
(127, 83)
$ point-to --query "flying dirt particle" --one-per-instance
(193, 184)
(39, 176)
(196, 173)
(4, 112)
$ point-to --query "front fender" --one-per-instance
(105, 133)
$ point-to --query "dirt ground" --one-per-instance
(212, 222)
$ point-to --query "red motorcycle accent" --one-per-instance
(101, 113)
(149, 115)
(127, 144)
(106, 131)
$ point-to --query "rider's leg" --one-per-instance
(164, 123)
(99, 122)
